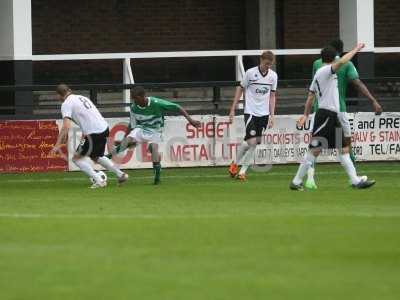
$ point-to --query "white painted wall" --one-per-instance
(22, 29)
(357, 23)
(15, 29)
(6, 30)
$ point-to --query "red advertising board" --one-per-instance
(25, 147)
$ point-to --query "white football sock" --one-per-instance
(311, 172)
(109, 165)
(348, 165)
(248, 159)
(308, 161)
(241, 152)
(87, 168)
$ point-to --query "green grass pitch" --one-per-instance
(201, 235)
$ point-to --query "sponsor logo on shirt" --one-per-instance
(263, 91)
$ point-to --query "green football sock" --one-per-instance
(157, 172)
(115, 151)
(352, 156)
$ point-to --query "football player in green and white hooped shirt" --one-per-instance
(147, 123)
(347, 73)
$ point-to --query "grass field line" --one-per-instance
(194, 176)
(199, 216)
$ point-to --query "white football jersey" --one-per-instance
(257, 91)
(325, 87)
(84, 113)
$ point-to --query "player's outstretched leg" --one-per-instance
(155, 155)
(110, 166)
(119, 147)
(356, 181)
(85, 166)
(234, 166)
(244, 157)
(308, 161)
(247, 161)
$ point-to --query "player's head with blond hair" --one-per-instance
(267, 59)
(138, 95)
(63, 91)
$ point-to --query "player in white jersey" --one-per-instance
(259, 85)
(84, 113)
(327, 129)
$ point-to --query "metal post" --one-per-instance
(216, 96)
(239, 74)
(128, 79)
(239, 67)
(93, 95)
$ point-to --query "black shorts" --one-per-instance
(93, 145)
(327, 131)
(254, 126)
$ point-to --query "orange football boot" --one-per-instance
(233, 169)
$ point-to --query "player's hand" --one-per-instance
(56, 149)
(377, 109)
(231, 116)
(360, 46)
(271, 122)
(195, 123)
(301, 121)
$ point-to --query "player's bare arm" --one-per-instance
(236, 99)
(272, 105)
(362, 88)
(194, 123)
(307, 109)
(62, 136)
(347, 57)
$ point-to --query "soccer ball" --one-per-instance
(102, 175)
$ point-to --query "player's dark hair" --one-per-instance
(63, 89)
(338, 45)
(138, 91)
(328, 54)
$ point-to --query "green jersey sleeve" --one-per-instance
(352, 73)
(316, 65)
(314, 69)
(166, 105)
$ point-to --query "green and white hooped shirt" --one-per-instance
(151, 117)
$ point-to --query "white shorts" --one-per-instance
(145, 136)
(312, 117)
(345, 123)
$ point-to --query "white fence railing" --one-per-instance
(128, 77)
